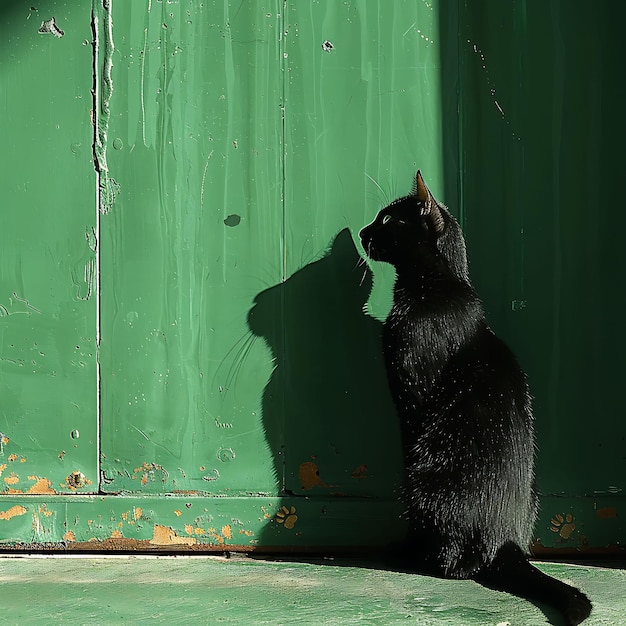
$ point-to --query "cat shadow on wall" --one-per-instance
(327, 412)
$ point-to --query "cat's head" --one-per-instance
(416, 233)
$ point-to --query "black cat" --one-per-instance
(464, 409)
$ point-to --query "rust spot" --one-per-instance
(69, 536)
(360, 472)
(607, 512)
(13, 512)
(166, 536)
(76, 480)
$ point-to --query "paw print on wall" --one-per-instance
(287, 517)
(564, 525)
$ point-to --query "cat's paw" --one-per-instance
(287, 517)
(564, 525)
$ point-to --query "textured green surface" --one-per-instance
(217, 179)
(199, 590)
(234, 180)
(47, 250)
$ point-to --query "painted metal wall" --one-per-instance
(203, 168)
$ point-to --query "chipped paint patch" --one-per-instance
(69, 536)
(166, 536)
(42, 485)
(13, 479)
(309, 475)
(14, 511)
(608, 512)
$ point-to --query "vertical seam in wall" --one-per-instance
(282, 64)
(461, 69)
(96, 98)
(105, 187)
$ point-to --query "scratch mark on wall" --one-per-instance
(206, 166)
(12, 307)
(143, 71)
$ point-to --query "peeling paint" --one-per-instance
(166, 536)
(13, 512)
(309, 476)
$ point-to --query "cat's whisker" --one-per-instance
(363, 277)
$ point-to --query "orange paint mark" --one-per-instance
(125, 516)
(5, 440)
(360, 472)
(12, 457)
(42, 485)
(117, 534)
(69, 536)
(12, 479)
(166, 536)
(13, 512)
(44, 511)
(199, 531)
(22, 460)
(218, 538)
(189, 529)
(247, 533)
(2, 468)
(608, 512)
(178, 513)
(144, 479)
(137, 513)
(564, 525)
(309, 475)
(287, 517)
(227, 531)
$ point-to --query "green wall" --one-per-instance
(188, 339)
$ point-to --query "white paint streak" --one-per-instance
(206, 166)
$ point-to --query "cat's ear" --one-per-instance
(421, 191)
(428, 204)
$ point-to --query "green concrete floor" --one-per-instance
(213, 590)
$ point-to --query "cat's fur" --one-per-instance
(464, 409)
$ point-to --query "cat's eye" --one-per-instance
(386, 218)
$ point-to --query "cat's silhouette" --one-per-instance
(326, 407)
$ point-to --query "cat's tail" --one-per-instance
(511, 571)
